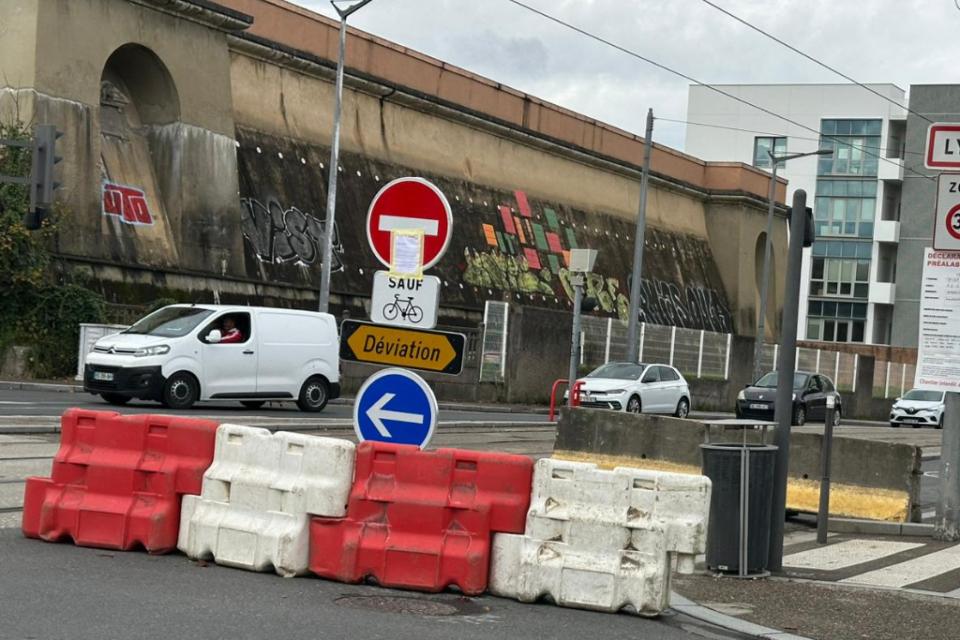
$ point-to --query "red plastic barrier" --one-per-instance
(117, 480)
(423, 519)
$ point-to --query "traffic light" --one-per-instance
(809, 231)
(42, 184)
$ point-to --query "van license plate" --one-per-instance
(762, 407)
(103, 375)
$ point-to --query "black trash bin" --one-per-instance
(722, 463)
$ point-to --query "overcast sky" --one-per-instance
(900, 41)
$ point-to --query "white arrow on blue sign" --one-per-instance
(395, 405)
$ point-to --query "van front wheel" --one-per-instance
(313, 394)
(180, 391)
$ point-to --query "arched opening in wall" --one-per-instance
(138, 99)
(758, 261)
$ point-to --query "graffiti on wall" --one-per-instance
(129, 204)
(529, 254)
(279, 234)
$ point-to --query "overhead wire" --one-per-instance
(812, 59)
(716, 89)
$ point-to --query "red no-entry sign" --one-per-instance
(407, 204)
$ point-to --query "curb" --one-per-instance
(698, 612)
(877, 527)
(16, 385)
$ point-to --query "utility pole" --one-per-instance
(783, 409)
(768, 247)
(333, 169)
(947, 525)
(639, 235)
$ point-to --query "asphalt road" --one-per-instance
(55, 591)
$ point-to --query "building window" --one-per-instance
(839, 277)
(845, 208)
(833, 321)
(842, 249)
(855, 144)
(764, 144)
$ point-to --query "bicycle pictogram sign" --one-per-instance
(405, 302)
(405, 309)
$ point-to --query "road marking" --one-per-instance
(846, 554)
(916, 570)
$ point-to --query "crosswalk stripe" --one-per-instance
(911, 571)
(846, 554)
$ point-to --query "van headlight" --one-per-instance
(156, 350)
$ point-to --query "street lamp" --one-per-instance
(327, 256)
(761, 322)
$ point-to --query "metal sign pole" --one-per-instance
(826, 450)
(947, 526)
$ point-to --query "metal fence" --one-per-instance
(892, 379)
(700, 354)
(839, 366)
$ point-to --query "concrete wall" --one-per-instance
(869, 479)
(939, 103)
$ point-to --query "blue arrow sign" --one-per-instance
(395, 405)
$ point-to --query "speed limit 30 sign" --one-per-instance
(946, 234)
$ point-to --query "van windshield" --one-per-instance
(170, 322)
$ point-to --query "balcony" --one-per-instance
(890, 169)
(882, 292)
(887, 231)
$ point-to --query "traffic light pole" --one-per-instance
(783, 409)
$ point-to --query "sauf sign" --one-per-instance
(408, 227)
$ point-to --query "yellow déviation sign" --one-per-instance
(437, 351)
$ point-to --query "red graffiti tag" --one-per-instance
(127, 202)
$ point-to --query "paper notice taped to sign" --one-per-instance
(938, 357)
(406, 253)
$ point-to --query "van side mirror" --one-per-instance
(214, 336)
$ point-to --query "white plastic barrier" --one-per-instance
(253, 512)
(603, 539)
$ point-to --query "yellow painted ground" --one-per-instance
(802, 495)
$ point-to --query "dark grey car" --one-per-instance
(810, 393)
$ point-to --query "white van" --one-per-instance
(183, 353)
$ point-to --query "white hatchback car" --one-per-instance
(635, 388)
(918, 408)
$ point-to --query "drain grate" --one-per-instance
(411, 605)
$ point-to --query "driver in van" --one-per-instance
(230, 333)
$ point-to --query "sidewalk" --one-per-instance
(854, 587)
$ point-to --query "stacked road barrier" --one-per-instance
(117, 481)
(406, 518)
(258, 496)
(602, 540)
(422, 519)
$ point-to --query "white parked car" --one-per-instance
(918, 408)
(180, 354)
(635, 388)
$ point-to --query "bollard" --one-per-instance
(826, 448)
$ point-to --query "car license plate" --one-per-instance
(106, 376)
(762, 407)
(911, 420)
